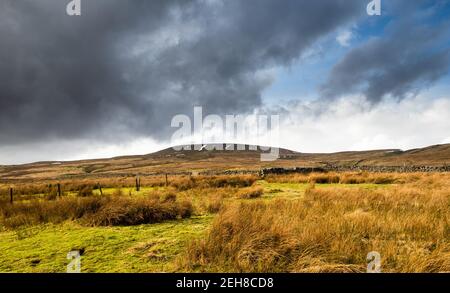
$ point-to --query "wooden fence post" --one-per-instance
(11, 198)
(167, 181)
(59, 190)
(100, 188)
(138, 183)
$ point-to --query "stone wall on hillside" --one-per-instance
(331, 168)
(376, 169)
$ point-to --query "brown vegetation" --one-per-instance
(238, 181)
(93, 211)
(251, 192)
(349, 178)
(329, 230)
(172, 161)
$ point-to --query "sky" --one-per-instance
(110, 81)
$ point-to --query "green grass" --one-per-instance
(145, 248)
(296, 190)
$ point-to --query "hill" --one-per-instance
(171, 161)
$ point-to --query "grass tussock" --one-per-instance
(250, 192)
(94, 211)
(331, 230)
(210, 200)
(215, 204)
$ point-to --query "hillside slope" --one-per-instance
(172, 161)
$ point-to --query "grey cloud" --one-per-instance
(408, 58)
(126, 67)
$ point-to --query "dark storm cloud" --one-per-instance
(126, 67)
(412, 54)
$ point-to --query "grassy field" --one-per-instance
(295, 223)
(142, 248)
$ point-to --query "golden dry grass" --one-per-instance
(349, 178)
(331, 230)
(37, 203)
(94, 211)
(250, 192)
